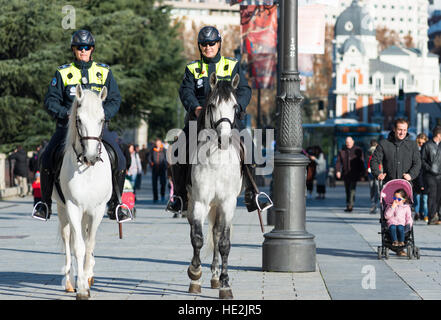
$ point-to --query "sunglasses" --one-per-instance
(80, 48)
(211, 44)
(399, 199)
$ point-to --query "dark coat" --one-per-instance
(158, 160)
(21, 164)
(59, 97)
(350, 162)
(396, 157)
(431, 158)
(193, 94)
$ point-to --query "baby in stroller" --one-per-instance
(396, 219)
(398, 215)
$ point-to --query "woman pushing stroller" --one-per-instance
(398, 216)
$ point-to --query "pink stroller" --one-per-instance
(386, 199)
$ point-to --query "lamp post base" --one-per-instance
(286, 251)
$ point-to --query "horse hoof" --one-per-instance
(83, 296)
(91, 281)
(215, 284)
(69, 288)
(194, 274)
(225, 294)
(194, 288)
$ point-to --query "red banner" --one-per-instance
(258, 26)
(263, 69)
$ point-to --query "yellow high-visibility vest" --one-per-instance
(224, 68)
(97, 75)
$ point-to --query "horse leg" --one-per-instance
(224, 249)
(75, 217)
(197, 241)
(92, 226)
(65, 235)
(215, 271)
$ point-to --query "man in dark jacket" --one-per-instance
(431, 163)
(398, 155)
(158, 163)
(20, 170)
(350, 167)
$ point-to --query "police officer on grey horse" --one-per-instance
(58, 100)
(193, 92)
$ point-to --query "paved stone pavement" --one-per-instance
(151, 260)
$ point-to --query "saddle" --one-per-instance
(57, 160)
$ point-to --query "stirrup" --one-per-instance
(170, 201)
(116, 213)
(34, 211)
(257, 201)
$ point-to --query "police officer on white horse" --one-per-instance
(193, 92)
(58, 100)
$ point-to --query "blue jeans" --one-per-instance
(396, 233)
(421, 202)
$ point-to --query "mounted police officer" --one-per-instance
(193, 92)
(58, 100)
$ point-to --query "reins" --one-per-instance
(81, 138)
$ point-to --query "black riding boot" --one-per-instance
(179, 202)
(43, 209)
(117, 189)
(251, 194)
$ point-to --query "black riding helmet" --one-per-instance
(82, 38)
(209, 34)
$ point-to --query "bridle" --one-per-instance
(214, 125)
(80, 156)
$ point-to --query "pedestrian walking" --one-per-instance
(20, 169)
(431, 163)
(419, 190)
(350, 167)
(320, 172)
(398, 156)
(36, 188)
(143, 153)
(374, 186)
(135, 167)
(310, 171)
(158, 163)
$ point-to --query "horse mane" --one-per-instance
(221, 92)
(72, 131)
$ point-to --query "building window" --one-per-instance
(352, 105)
(377, 84)
(353, 81)
(401, 84)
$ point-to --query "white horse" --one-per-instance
(86, 183)
(216, 182)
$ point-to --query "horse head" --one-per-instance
(87, 124)
(221, 106)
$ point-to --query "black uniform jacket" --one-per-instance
(193, 92)
(61, 91)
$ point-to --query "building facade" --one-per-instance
(373, 86)
(405, 17)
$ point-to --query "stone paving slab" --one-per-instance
(151, 260)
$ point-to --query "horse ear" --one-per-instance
(79, 91)
(213, 80)
(235, 81)
(103, 93)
